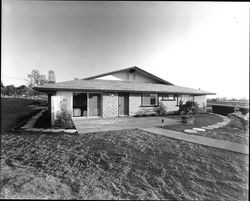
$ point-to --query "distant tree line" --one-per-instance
(20, 91)
(35, 79)
(225, 99)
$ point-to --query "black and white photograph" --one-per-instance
(125, 100)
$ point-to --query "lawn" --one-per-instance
(234, 131)
(127, 164)
(202, 119)
(15, 111)
(43, 121)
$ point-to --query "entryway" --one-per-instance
(123, 104)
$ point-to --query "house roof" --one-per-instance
(135, 68)
(118, 86)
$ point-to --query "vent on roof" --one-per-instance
(132, 70)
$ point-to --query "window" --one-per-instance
(168, 97)
(149, 99)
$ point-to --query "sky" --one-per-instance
(193, 44)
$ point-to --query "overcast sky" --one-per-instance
(195, 44)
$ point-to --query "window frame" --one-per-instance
(157, 100)
(179, 98)
(167, 98)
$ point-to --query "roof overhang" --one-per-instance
(52, 90)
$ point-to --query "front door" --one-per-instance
(122, 104)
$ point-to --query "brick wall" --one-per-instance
(110, 105)
(201, 100)
(134, 103)
(136, 109)
(170, 105)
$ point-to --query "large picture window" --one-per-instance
(149, 99)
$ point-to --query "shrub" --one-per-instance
(63, 120)
(63, 117)
(187, 110)
(161, 110)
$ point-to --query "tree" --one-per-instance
(36, 78)
(2, 87)
(42, 80)
(9, 90)
(22, 90)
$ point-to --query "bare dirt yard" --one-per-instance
(127, 164)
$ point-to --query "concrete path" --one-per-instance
(221, 144)
(89, 125)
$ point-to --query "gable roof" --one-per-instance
(119, 86)
(135, 68)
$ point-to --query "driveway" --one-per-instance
(88, 125)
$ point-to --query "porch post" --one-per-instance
(87, 104)
(49, 105)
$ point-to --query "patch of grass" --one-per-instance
(235, 131)
(127, 164)
(14, 111)
(206, 119)
(43, 121)
(200, 120)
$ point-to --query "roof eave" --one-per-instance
(50, 89)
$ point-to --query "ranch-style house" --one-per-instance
(126, 92)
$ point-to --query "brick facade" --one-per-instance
(171, 106)
(110, 105)
(135, 107)
(134, 103)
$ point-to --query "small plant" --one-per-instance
(63, 117)
(63, 120)
(187, 110)
(237, 109)
(161, 110)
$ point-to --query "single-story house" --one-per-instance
(125, 92)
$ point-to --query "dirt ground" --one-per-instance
(127, 164)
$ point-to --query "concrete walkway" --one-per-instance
(221, 144)
(89, 125)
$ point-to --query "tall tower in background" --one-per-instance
(51, 77)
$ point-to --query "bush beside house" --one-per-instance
(63, 117)
(188, 110)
